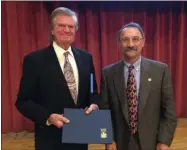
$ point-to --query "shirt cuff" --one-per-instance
(47, 123)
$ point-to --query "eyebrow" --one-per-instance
(132, 37)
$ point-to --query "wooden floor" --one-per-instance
(24, 140)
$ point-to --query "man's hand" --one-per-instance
(161, 146)
(57, 120)
(91, 108)
(111, 146)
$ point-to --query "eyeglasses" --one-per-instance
(135, 40)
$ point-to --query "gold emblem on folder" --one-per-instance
(103, 133)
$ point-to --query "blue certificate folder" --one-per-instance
(95, 128)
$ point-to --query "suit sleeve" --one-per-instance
(104, 98)
(93, 96)
(26, 101)
(103, 103)
(168, 120)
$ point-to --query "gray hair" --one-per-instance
(63, 11)
(131, 24)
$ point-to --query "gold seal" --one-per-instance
(103, 133)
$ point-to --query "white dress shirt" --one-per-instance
(61, 59)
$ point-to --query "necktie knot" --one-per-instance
(66, 54)
(131, 67)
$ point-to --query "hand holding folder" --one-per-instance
(91, 108)
(95, 128)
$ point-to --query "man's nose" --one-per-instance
(66, 29)
(130, 43)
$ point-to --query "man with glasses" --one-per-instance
(139, 93)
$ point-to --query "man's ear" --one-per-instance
(52, 32)
(143, 42)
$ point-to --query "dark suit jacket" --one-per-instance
(43, 91)
(156, 111)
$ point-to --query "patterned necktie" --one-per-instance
(132, 101)
(69, 76)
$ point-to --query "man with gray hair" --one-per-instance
(55, 78)
(139, 93)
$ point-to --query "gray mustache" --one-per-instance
(130, 49)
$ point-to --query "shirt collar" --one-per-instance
(136, 64)
(60, 51)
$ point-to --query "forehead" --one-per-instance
(64, 19)
(130, 32)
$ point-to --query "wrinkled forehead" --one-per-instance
(130, 32)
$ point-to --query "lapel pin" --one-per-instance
(149, 79)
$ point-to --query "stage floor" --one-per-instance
(24, 140)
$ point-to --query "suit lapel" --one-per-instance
(145, 84)
(54, 66)
(57, 73)
(80, 71)
(119, 82)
